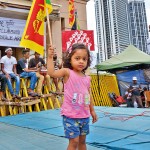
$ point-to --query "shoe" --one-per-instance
(13, 96)
(33, 94)
(17, 96)
(39, 95)
(3, 98)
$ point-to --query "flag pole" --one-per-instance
(49, 27)
(76, 19)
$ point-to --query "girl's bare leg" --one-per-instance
(82, 142)
(73, 144)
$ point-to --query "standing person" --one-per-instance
(9, 69)
(77, 105)
(135, 88)
(24, 72)
(34, 64)
(3, 81)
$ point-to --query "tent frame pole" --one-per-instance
(98, 82)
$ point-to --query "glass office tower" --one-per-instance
(112, 25)
(138, 24)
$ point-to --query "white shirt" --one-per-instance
(129, 94)
(8, 63)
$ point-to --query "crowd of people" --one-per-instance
(14, 70)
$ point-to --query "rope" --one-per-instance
(124, 118)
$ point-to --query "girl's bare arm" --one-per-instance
(50, 66)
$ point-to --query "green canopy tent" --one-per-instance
(131, 56)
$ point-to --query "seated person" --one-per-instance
(119, 99)
(3, 81)
(128, 98)
(36, 63)
(9, 69)
(24, 72)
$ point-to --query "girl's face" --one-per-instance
(79, 60)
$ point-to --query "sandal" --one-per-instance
(39, 95)
(17, 96)
(33, 94)
(3, 98)
(13, 96)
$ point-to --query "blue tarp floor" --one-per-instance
(117, 129)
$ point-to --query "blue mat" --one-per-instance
(117, 128)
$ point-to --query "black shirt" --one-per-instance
(33, 62)
(21, 65)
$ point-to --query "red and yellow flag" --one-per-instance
(49, 6)
(71, 13)
(33, 36)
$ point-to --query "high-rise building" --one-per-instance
(138, 24)
(112, 25)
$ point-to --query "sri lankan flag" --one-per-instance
(33, 35)
(49, 6)
(72, 19)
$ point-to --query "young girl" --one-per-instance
(77, 105)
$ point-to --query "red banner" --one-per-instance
(78, 36)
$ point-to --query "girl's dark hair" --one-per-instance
(67, 58)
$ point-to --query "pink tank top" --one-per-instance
(76, 96)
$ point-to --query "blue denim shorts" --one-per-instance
(75, 127)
